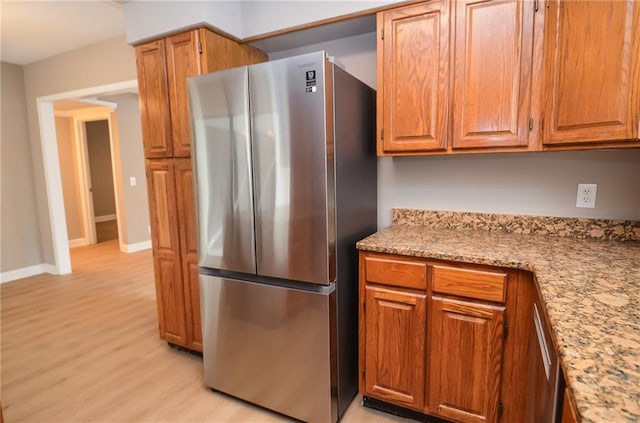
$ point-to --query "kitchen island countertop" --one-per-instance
(591, 290)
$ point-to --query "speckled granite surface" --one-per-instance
(591, 289)
(582, 228)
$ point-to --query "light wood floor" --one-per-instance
(106, 231)
(84, 347)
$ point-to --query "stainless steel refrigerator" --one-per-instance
(285, 175)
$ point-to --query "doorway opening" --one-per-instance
(102, 191)
(52, 170)
(85, 151)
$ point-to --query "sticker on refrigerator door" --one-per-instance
(311, 81)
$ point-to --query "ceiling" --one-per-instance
(34, 30)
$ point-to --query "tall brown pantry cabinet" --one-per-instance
(163, 67)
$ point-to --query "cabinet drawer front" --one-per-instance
(408, 274)
(478, 284)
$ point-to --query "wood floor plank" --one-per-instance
(84, 347)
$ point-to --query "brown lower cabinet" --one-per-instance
(397, 369)
(170, 186)
(465, 359)
(444, 338)
(568, 412)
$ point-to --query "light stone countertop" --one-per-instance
(591, 290)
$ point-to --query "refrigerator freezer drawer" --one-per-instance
(271, 346)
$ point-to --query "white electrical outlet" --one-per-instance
(586, 197)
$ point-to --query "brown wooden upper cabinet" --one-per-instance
(454, 76)
(154, 99)
(183, 61)
(592, 72)
(163, 68)
(493, 44)
(413, 78)
(465, 76)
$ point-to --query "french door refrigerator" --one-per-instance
(285, 175)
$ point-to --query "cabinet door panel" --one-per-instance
(414, 78)
(186, 207)
(395, 334)
(465, 360)
(188, 250)
(162, 207)
(192, 303)
(154, 99)
(166, 248)
(568, 412)
(592, 61)
(183, 60)
(170, 299)
(492, 77)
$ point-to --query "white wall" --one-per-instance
(19, 227)
(148, 19)
(514, 183)
(353, 54)
(65, 135)
(130, 163)
(102, 63)
(525, 183)
(260, 17)
(241, 19)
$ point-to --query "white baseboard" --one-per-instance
(50, 268)
(25, 272)
(138, 246)
(105, 218)
(78, 242)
